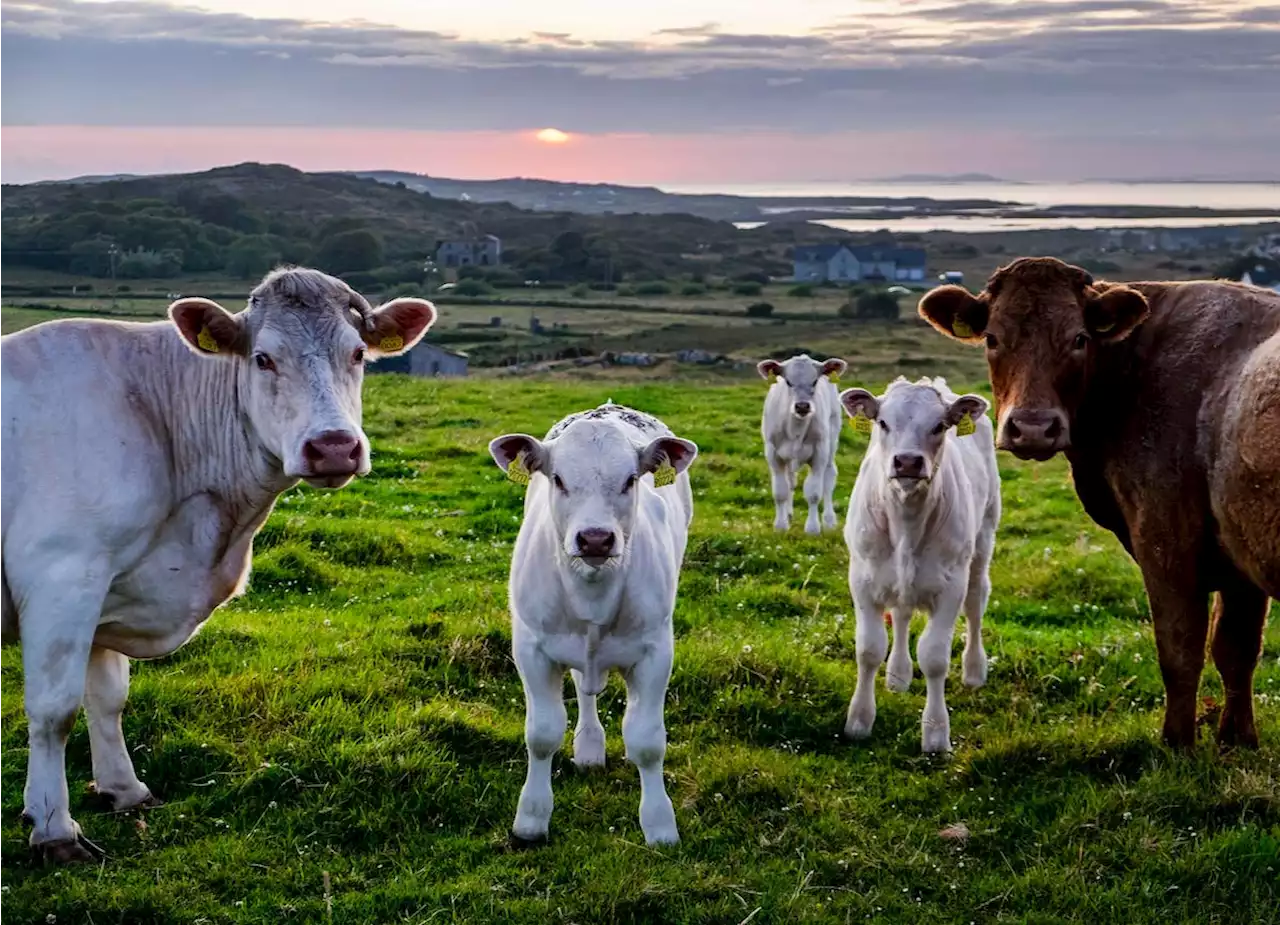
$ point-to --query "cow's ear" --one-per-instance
(667, 457)
(518, 455)
(208, 328)
(964, 413)
(1112, 314)
(834, 368)
(769, 368)
(859, 403)
(398, 325)
(955, 312)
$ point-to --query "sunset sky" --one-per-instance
(665, 91)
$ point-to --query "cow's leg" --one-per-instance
(544, 725)
(645, 735)
(814, 485)
(106, 689)
(784, 487)
(588, 737)
(58, 622)
(975, 605)
(1180, 617)
(871, 642)
(897, 676)
(828, 492)
(933, 652)
(1239, 615)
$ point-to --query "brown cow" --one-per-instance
(1165, 397)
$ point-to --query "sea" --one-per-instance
(1209, 195)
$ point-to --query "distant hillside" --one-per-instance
(239, 220)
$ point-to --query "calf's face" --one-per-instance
(301, 347)
(593, 469)
(910, 424)
(801, 375)
(1042, 322)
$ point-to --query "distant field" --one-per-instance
(357, 715)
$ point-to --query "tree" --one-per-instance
(759, 310)
(252, 256)
(349, 251)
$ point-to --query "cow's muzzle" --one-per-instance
(1034, 433)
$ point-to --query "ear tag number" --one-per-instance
(392, 343)
(665, 474)
(965, 426)
(517, 471)
(205, 340)
(961, 329)
(861, 423)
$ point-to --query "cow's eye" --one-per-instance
(628, 484)
(558, 483)
(1081, 341)
(883, 426)
(992, 343)
(265, 363)
(939, 427)
(357, 357)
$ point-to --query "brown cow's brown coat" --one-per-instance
(1165, 398)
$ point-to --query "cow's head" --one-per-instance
(1042, 322)
(910, 423)
(300, 349)
(801, 375)
(592, 468)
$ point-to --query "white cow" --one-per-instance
(593, 586)
(921, 528)
(139, 461)
(801, 426)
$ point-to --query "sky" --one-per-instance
(667, 92)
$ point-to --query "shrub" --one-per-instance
(472, 287)
(760, 310)
(803, 291)
(753, 276)
(693, 289)
(747, 289)
(875, 304)
(654, 288)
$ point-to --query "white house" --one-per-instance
(841, 263)
(428, 360)
(482, 251)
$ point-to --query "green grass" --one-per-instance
(357, 713)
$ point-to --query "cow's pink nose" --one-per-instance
(334, 452)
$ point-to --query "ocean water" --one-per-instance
(1039, 195)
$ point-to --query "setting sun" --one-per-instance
(552, 136)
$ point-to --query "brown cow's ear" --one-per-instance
(398, 325)
(955, 312)
(1112, 315)
(208, 328)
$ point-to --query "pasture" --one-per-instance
(344, 743)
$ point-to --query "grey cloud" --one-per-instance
(137, 63)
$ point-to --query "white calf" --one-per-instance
(801, 425)
(593, 586)
(921, 528)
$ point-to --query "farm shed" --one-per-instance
(424, 360)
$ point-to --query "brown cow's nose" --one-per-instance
(908, 465)
(803, 408)
(1035, 434)
(595, 544)
(334, 452)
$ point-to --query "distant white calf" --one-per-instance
(801, 425)
(921, 528)
(593, 586)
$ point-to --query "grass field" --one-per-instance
(355, 720)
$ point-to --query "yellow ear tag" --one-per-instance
(861, 423)
(392, 343)
(834, 377)
(517, 471)
(665, 474)
(960, 329)
(773, 377)
(965, 426)
(206, 341)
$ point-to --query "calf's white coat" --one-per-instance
(801, 426)
(921, 529)
(575, 608)
(139, 461)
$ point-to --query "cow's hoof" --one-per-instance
(519, 842)
(78, 850)
(124, 802)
